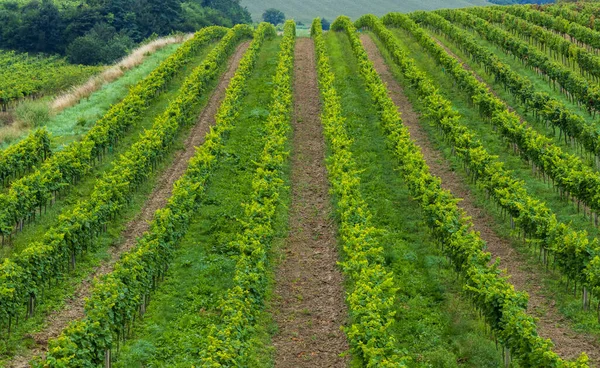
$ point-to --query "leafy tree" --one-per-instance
(230, 8)
(101, 45)
(273, 16)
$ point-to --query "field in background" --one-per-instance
(305, 11)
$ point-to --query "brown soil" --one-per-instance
(551, 324)
(309, 306)
(74, 308)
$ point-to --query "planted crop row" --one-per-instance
(568, 171)
(502, 307)
(228, 341)
(573, 252)
(575, 87)
(544, 106)
(24, 276)
(372, 296)
(586, 36)
(119, 296)
(23, 156)
(587, 62)
(67, 166)
(581, 16)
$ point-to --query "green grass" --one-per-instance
(435, 326)
(553, 287)
(55, 296)
(175, 326)
(306, 10)
(34, 231)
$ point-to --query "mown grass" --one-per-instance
(435, 326)
(56, 296)
(175, 325)
(552, 282)
(34, 231)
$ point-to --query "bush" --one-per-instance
(32, 113)
(102, 45)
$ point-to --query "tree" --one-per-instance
(40, 28)
(273, 16)
(325, 24)
(102, 45)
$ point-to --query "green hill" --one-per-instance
(306, 10)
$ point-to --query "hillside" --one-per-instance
(305, 11)
(416, 190)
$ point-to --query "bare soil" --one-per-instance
(309, 306)
(74, 307)
(551, 324)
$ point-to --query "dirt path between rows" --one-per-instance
(74, 308)
(551, 323)
(309, 306)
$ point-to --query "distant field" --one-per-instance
(307, 10)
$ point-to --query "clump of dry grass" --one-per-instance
(116, 71)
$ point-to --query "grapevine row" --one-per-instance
(24, 276)
(576, 88)
(119, 296)
(18, 158)
(67, 166)
(545, 107)
(588, 63)
(371, 299)
(585, 36)
(572, 250)
(502, 307)
(581, 17)
(568, 171)
(229, 340)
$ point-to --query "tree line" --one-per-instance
(102, 31)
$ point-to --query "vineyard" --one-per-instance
(414, 189)
(22, 76)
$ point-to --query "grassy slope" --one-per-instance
(435, 327)
(55, 296)
(567, 304)
(175, 323)
(306, 10)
